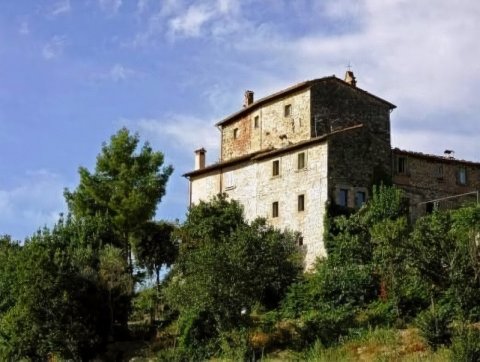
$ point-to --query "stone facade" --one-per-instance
(268, 127)
(290, 155)
(430, 181)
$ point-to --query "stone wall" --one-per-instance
(273, 130)
(425, 178)
(253, 184)
(358, 158)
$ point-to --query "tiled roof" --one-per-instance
(258, 155)
(436, 158)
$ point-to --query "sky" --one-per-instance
(73, 72)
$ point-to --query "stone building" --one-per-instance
(431, 181)
(323, 142)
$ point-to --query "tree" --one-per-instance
(125, 187)
(155, 247)
(53, 304)
(227, 265)
(113, 276)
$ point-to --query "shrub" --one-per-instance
(466, 344)
(435, 326)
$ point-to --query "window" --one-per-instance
(343, 197)
(360, 198)
(300, 241)
(462, 175)
(256, 122)
(287, 111)
(229, 181)
(439, 172)
(301, 161)
(430, 207)
(301, 202)
(275, 209)
(235, 133)
(276, 168)
(401, 165)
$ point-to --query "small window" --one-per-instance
(429, 207)
(439, 172)
(343, 197)
(287, 110)
(301, 161)
(360, 198)
(401, 165)
(462, 175)
(301, 203)
(235, 133)
(300, 241)
(256, 122)
(275, 209)
(276, 168)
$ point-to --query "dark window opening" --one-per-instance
(276, 168)
(256, 122)
(360, 198)
(301, 202)
(300, 241)
(402, 165)
(301, 161)
(287, 110)
(275, 209)
(235, 133)
(429, 207)
(343, 197)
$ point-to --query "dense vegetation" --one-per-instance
(234, 289)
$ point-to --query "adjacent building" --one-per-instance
(320, 143)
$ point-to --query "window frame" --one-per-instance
(301, 203)
(401, 168)
(303, 164)
(275, 209)
(462, 170)
(275, 168)
(364, 198)
(344, 199)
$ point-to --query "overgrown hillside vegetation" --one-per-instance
(91, 287)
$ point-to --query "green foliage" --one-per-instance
(54, 307)
(125, 187)
(225, 266)
(435, 325)
(155, 247)
(444, 251)
(466, 343)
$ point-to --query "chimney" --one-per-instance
(248, 100)
(200, 159)
(350, 78)
(450, 154)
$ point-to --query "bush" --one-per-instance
(466, 344)
(378, 313)
(435, 326)
(326, 325)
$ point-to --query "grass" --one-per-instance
(375, 345)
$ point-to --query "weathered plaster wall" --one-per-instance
(274, 129)
(254, 186)
(205, 186)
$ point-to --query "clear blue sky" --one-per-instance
(72, 72)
